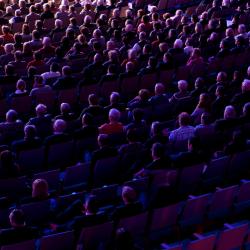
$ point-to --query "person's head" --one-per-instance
(59, 126)
(221, 77)
(40, 189)
(87, 119)
(130, 67)
(38, 56)
(103, 140)
(196, 52)
(157, 151)
(184, 119)
(41, 110)
(229, 112)
(144, 94)
(152, 62)
(21, 85)
(155, 128)
(18, 55)
(132, 54)
(29, 132)
(206, 118)
(7, 160)
(92, 99)
(220, 91)
(246, 109)
(8, 48)
(245, 86)
(159, 89)
(111, 69)
(114, 98)
(65, 108)
(204, 101)
(128, 195)
(35, 34)
(91, 205)
(114, 115)
(132, 136)
(9, 70)
(178, 44)
(18, 38)
(11, 116)
(17, 218)
(138, 115)
(182, 85)
(66, 71)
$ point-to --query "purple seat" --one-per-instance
(205, 243)
(22, 104)
(189, 179)
(136, 224)
(221, 202)
(148, 81)
(165, 219)
(215, 172)
(66, 200)
(47, 99)
(239, 165)
(106, 171)
(32, 160)
(86, 91)
(33, 217)
(129, 86)
(232, 237)
(182, 73)
(76, 177)
(27, 245)
(60, 155)
(166, 77)
(68, 96)
(194, 210)
(243, 197)
(52, 177)
(3, 107)
(91, 237)
(108, 87)
(107, 195)
(62, 241)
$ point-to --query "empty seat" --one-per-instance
(136, 224)
(92, 237)
(60, 241)
(232, 237)
(32, 160)
(164, 220)
(148, 81)
(205, 243)
(22, 104)
(194, 210)
(76, 177)
(68, 96)
(108, 87)
(27, 245)
(243, 197)
(60, 155)
(106, 171)
(221, 203)
(129, 86)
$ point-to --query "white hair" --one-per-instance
(8, 48)
(182, 85)
(59, 125)
(245, 86)
(229, 112)
(58, 23)
(178, 44)
(41, 109)
(46, 40)
(114, 115)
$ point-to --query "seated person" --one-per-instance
(66, 113)
(115, 103)
(193, 156)
(131, 206)
(78, 215)
(114, 126)
(8, 167)
(20, 89)
(19, 231)
(29, 141)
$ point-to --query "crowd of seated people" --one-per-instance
(186, 98)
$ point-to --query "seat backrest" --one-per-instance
(22, 104)
(136, 224)
(195, 209)
(62, 241)
(27, 245)
(106, 171)
(232, 238)
(206, 243)
(68, 96)
(86, 91)
(190, 178)
(108, 87)
(148, 81)
(76, 174)
(47, 99)
(52, 177)
(129, 86)
(244, 192)
(33, 217)
(165, 217)
(60, 154)
(49, 23)
(91, 237)
(32, 160)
